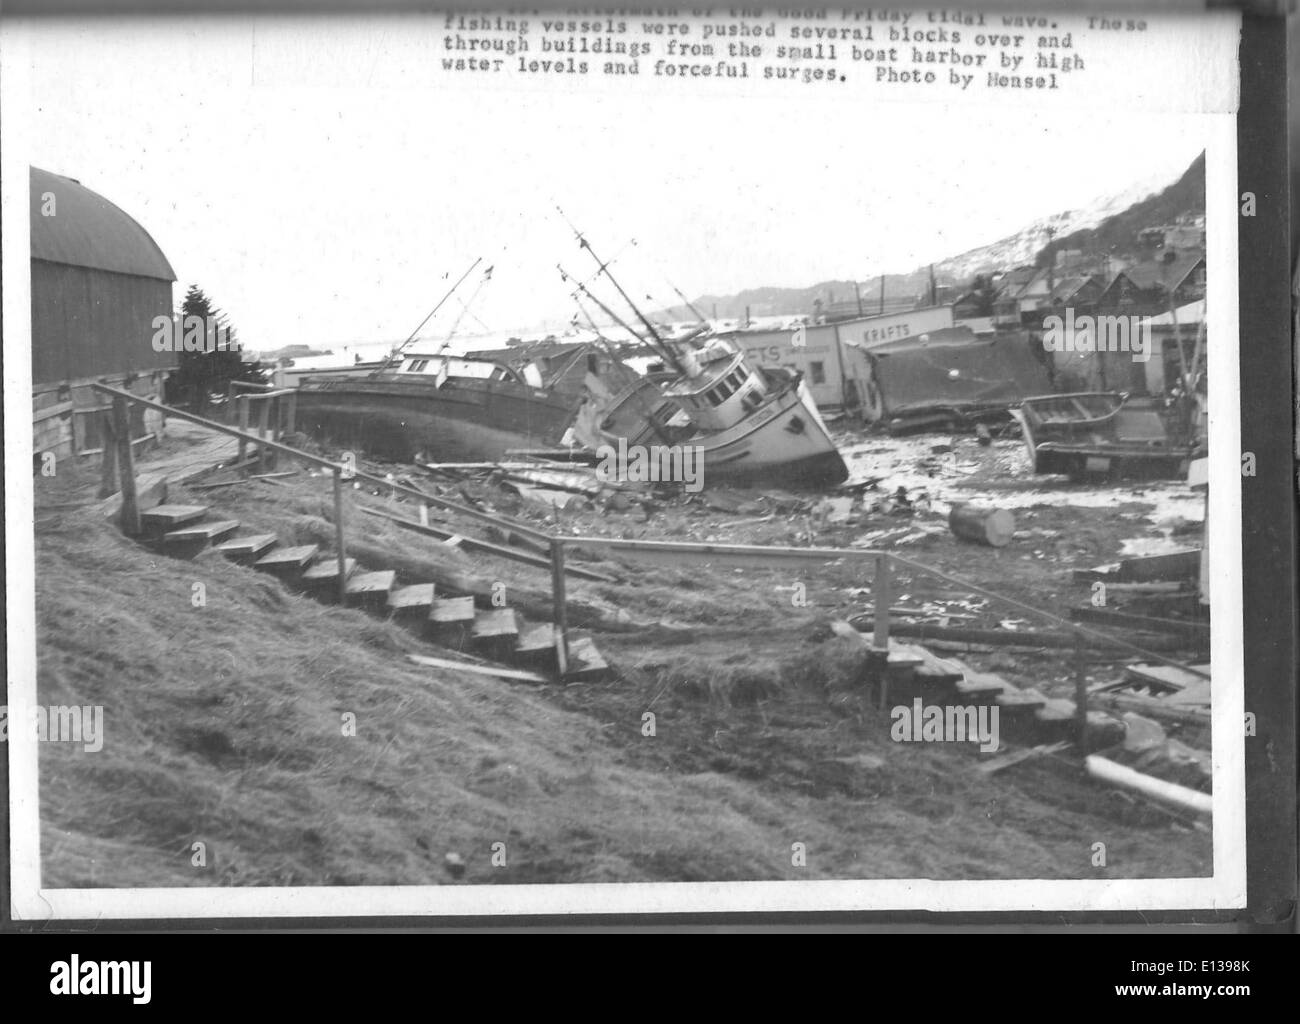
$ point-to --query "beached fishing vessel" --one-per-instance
(750, 424)
(434, 405)
(1107, 434)
(753, 425)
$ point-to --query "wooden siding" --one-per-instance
(92, 323)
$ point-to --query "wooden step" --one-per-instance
(162, 518)
(1020, 700)
(200, 534)
(288, 563)
(370, 589)
(900, 655)
(1166, 677)
(323, 577)
(451, 620)
(248, 549)
(936, 670)
(413, 602)
(981, 687)
(535, 646)
(585, 662)
(1056, 709)
(495, 633)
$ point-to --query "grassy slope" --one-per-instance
(223, 725)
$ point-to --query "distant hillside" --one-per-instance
(1109, 223)
(1119, 233)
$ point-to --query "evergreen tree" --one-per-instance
(199, 374)
(982, 293)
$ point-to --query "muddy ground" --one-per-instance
(761, 735)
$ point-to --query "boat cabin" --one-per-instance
(443, 366)
(724, 391)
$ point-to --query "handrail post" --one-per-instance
(130, 512)
(1081, 698)
(559, 603)
(880, 591)
(108, 457)
(338, 535)
(242, 402)
(265, 458)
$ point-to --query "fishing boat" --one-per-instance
(433, 404)
(1105, 433)
(749, 424)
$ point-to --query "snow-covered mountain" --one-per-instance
(1021, 247)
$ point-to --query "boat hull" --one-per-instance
(783, 442)
(461, 421)
(1101, 434)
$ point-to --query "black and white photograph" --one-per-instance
(613, 461)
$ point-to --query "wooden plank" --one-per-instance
(232, 483)
(248, 547)
(1184, 564)
(484, 670)
(997, 764)
(161, 518)
(497, 622)
(486, 547)
(585, 661)
(535, 645)
(1056, 709)
(413, 600)
(288, 559)
(204, 533)
(450, 621)
(1190, 629)
(900, 655)
(981, 684)
(447, 610)
(1153, 707)
(937, 670)
(371, 583)
(327, 571)
(1029, 700)
(1168, 677)
(150, 489)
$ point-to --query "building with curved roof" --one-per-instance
(99, 280)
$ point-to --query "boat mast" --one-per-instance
(396, 353)
(646, 411)
(689, 305)
(659, 348)
(604, 269)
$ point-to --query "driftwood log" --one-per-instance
(990, 526)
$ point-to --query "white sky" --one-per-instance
(320, 213)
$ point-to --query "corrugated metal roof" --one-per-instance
(89, 231)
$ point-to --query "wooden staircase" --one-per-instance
(445, 619)
(911, 671)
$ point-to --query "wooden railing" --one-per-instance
(120, 453)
